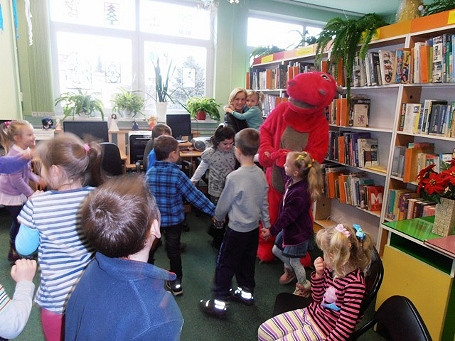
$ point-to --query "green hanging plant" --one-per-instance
(347, 35)
(439, 6)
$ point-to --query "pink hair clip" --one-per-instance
(7, 124)
(342, 229)
(87, 147)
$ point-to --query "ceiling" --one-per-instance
(381, 7)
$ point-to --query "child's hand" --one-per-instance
(319, 265)
(265, 233)
(23, 270)
(26, 154)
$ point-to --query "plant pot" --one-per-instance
(201, 115)
(444, 220)
(161, 110)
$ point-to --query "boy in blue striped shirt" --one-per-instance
(171, 186)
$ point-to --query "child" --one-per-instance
(171, 186)
(338, 289)
(252, 116)
(149, 153)
(14, 313)
(244, 198)
(17, 138)
(120, 269)
(237, 100)
(294, 225)
(51, 223)
(220, 160)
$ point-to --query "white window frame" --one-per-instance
(138, 40)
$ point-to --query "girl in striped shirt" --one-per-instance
(338, 289)
(51, 223)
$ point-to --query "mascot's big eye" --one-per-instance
(325, 76)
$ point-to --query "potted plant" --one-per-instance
(346, 35)
(439, 187)
(79, 103)
(128, 102)
(198, 107)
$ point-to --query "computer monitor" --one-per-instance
(96, 129)
(180, 125)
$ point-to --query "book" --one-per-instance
(360, 111)
(398, 153)
(410, 166)
(438, 59)
(363, 184)
(427, 113)
(375, 196)
(411, 204)
(393, 201)
(387, 66)
(403, 60)
(342, 113)
(403, 202)
(425, 63)
(367, 147)
(412, 117)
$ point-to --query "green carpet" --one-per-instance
(198, 270)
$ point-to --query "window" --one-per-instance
(285, 34)
(100, 46)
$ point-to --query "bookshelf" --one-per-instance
(413, 267)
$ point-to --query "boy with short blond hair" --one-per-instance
(244, 200)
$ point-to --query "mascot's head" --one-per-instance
(311, 91)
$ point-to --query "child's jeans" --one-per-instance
(237, 256)
(53, 325)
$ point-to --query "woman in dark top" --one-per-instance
(237, 101)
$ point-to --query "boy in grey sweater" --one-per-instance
(244, 200)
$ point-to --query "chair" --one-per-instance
(112, 162)
(398, 319)
(286, 301)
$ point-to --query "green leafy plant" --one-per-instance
(305, 39)
(79, 103)
(196, 104)
(439, 6)
(347, 35)
(162, 85)
(128, 101)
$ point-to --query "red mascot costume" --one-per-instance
(298, 124)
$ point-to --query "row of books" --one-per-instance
(406, 204)
(433, 117)
(353, 114)
(356, 149)
(261, 78)
(430, 61)
(409, 160)
(352, 188)
(270, 102)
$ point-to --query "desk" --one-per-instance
(190, 156)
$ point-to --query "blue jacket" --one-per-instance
(120, 299)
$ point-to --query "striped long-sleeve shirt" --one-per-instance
(350, 291)
(170, 186)
(63, 251)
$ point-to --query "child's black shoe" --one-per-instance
(175, 287)
(243, 296)
(213, 307)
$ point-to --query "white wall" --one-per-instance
(10, 106)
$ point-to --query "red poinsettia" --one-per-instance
(433, 186)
